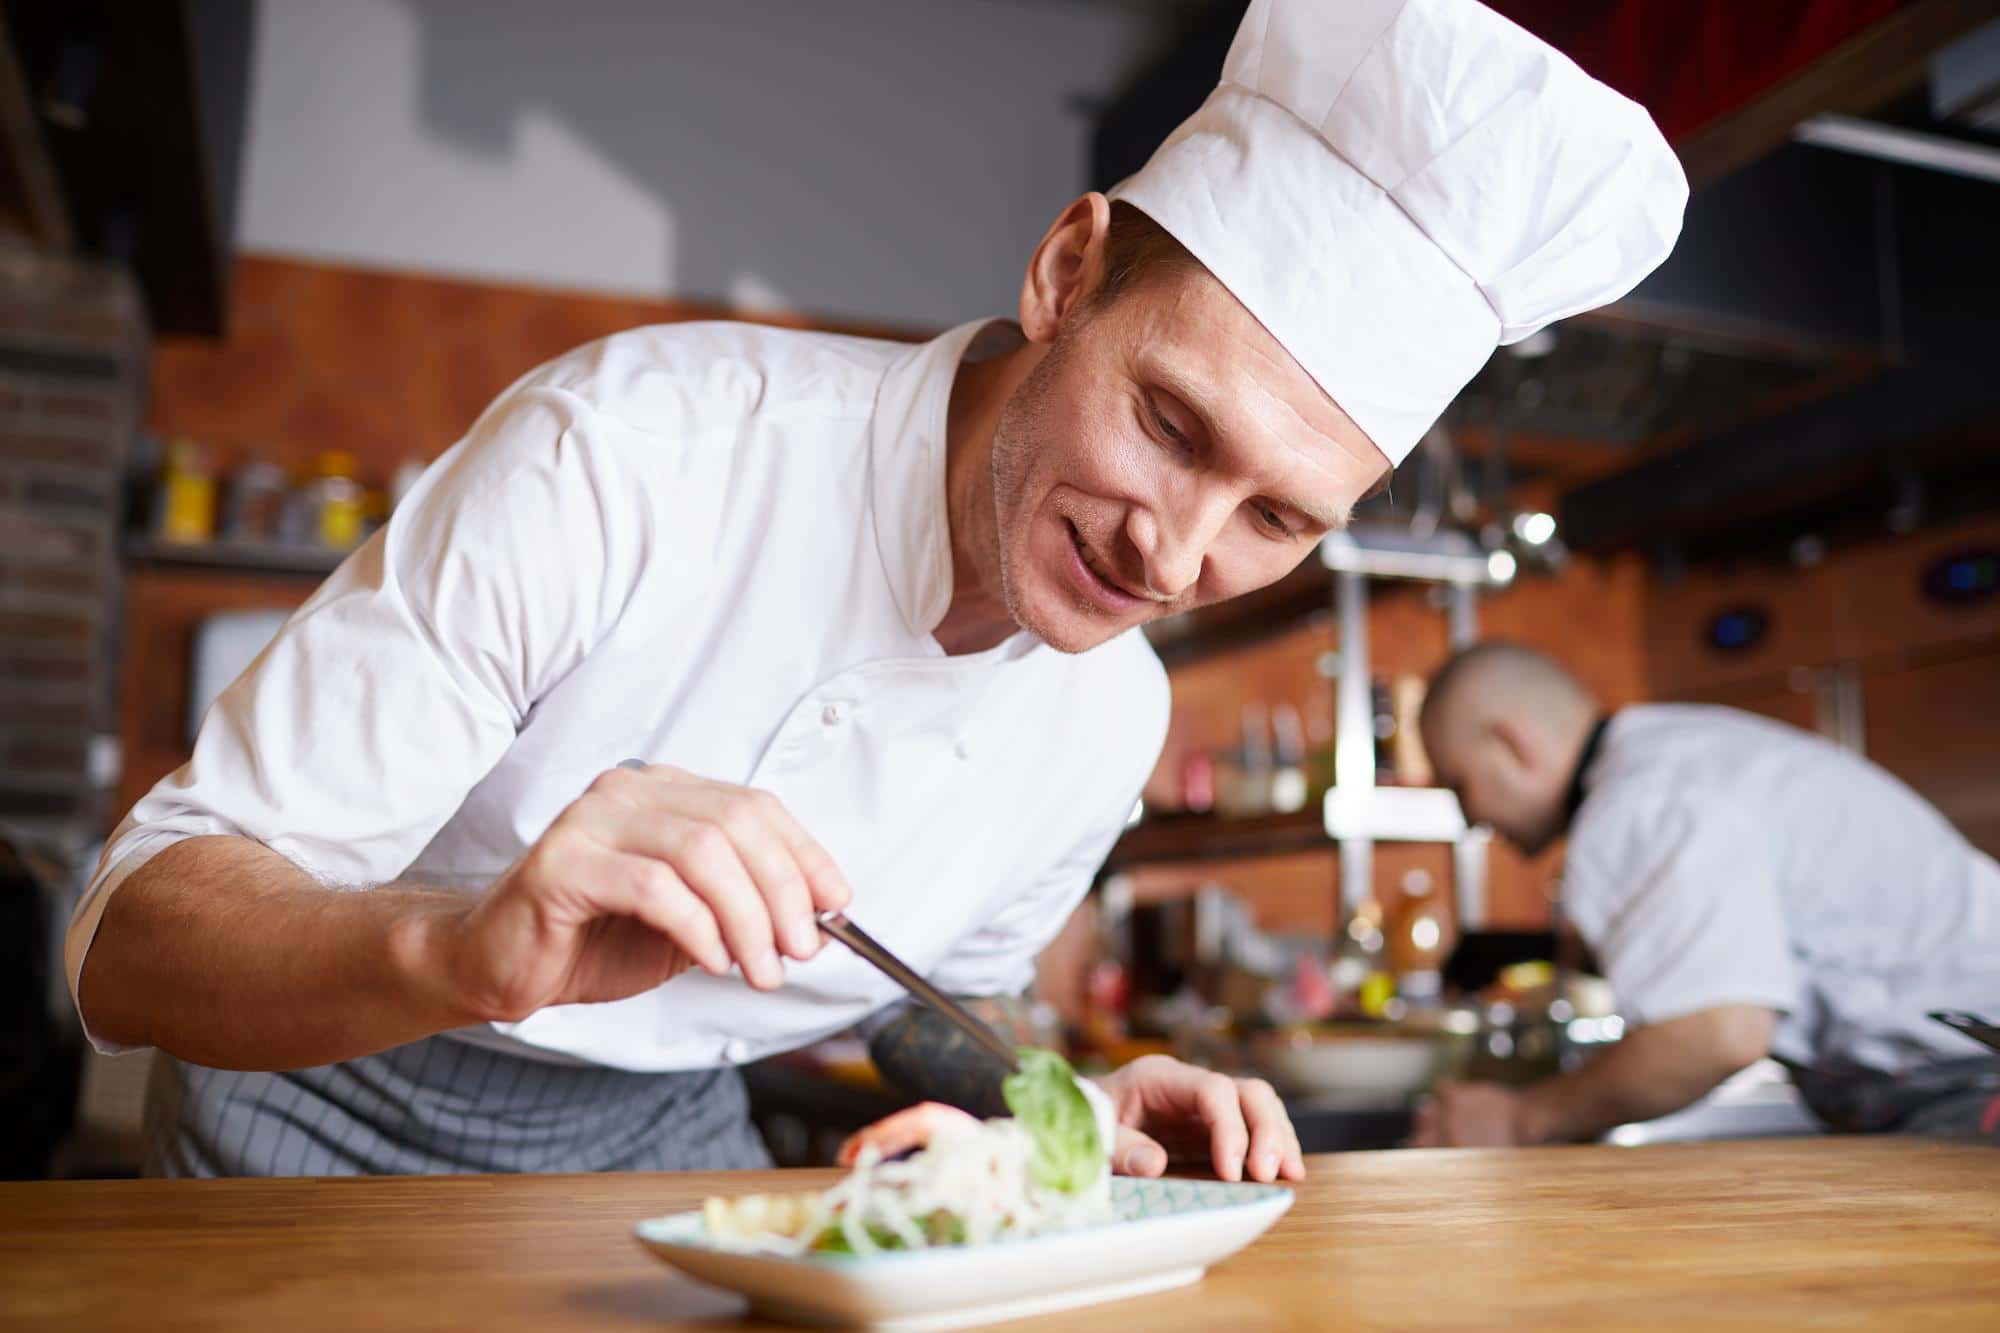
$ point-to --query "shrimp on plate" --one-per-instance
(907, 1131)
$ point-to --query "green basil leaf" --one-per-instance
(1069, 1152)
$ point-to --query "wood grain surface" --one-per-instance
(1837, 1232)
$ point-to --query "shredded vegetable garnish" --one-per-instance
(974, 1183)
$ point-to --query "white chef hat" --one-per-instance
(1393, 187)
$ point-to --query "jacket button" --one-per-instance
(830, 715)
(962, 750)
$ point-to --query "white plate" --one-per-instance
(1167, 1234)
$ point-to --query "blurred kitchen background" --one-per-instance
(261, 260)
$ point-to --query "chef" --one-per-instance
(1749, 889)
(869, 613)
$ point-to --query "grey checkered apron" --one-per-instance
(442, 1105)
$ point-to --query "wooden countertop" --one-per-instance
(1862, 1233)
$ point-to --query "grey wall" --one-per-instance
(889, 160)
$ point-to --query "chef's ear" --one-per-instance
(1514, 741)
(1066, 267)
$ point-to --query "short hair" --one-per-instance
(1512, 672)
(1137, 248)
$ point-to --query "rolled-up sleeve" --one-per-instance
(358, 731)
(1678, 897)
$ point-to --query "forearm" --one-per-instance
(924, 1054)
(1655, 1070)
(220, 951)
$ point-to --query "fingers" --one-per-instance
(631, 815)
(1137, 1154)
(1274, 1142)
(1242, 1121)
(736, 849)
(1221, 1109)
(650, 891)
(747, 819)
(798, 875)
(828, 887)
(712, 867)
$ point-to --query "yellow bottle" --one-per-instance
(340, 501)
(187, 495)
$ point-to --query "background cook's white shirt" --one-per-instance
(713, 545)
(1720, 857)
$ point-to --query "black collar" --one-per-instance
(1573, 799)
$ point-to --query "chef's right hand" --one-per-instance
(649, 872)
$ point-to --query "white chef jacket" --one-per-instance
(1719, 857)
(718, 546)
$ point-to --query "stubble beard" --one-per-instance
(1013, 452)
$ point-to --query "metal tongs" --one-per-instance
(860, 941)
(1972, 1025)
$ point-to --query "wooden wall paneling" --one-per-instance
(1796, 703)
(1860, 605)
(1929, 670)
(163, 610)
(1880, 603)
(1936, 725)
(1591, 618)
(1805, 628)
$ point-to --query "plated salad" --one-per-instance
(964, 1182)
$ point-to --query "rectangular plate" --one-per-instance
(1166, 1234)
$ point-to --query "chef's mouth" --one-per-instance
(1113, 587)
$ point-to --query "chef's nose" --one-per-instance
(1173, 538)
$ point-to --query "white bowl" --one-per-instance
(1357, 1062)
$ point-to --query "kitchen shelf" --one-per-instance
(1212, 838)
(1379, 814)
(235, 557)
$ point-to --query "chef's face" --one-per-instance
(1164, 453)
(1502, 776)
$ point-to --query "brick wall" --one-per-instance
(384, 366)
(72, 357)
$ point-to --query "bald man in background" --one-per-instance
(1749, 889)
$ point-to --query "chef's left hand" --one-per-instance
(1163, 1102)
(1471, 1115)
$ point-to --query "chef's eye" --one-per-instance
(1272, 521)
(1167, 429)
